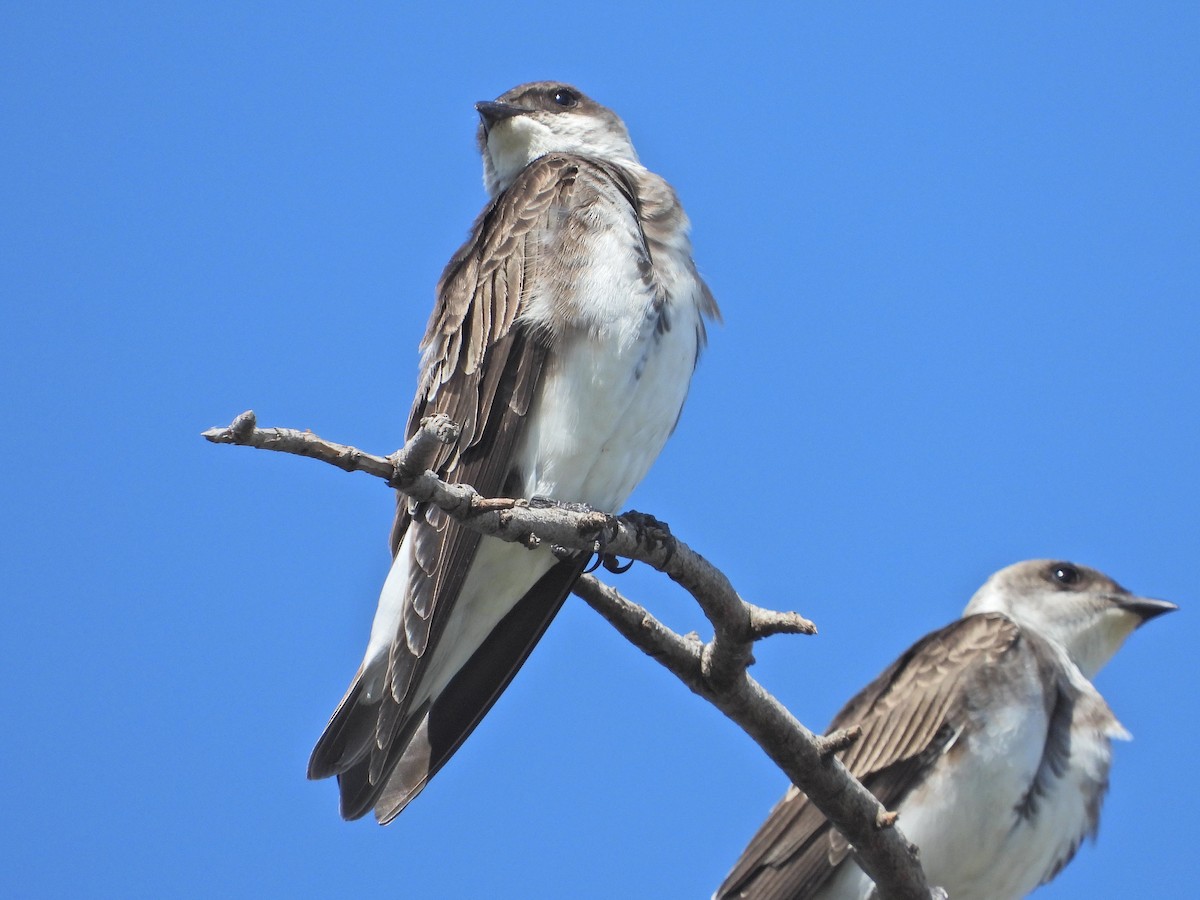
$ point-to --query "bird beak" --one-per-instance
(1145, 608)
(492, 112)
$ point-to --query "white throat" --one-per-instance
(514, 143)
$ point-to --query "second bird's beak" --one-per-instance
(1145, 608)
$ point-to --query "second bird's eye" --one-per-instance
(1066, 574)
(566, 98)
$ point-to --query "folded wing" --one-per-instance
(403, 716)
(908, 716)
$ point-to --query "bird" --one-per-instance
(563, 341)
(988, 738)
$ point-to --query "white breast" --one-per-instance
(609, 398)
(964, 817)
(613, 390)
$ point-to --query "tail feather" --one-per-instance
(429, 734)
(468, 696)
(348, 737)
(413, 771)
(359, 792)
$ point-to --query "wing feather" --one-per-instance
(907, 716)
(482, 366)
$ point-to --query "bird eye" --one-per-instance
(1066, 574)
(566, 98)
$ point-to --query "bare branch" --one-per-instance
(767, 622)
(736, 624)
(678, 653)
(715, 671)
(406, 465)
(805, 758)
(837, 741)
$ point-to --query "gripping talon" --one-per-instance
(653, 533)
(609, 561)
(606, 533)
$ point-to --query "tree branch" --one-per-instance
(715, 670)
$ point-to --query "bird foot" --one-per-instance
(551, 503)
(602, 536)
(652, 533)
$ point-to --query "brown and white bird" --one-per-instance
(563, 341)
(987, 736)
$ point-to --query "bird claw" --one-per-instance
(550, 503)
(652, 533)
(610, 563)
(608, 560)
(602, 536)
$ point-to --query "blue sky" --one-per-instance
(958, 254)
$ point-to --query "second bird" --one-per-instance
(986, 736)
(563, 341)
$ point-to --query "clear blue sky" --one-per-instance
(958, 255)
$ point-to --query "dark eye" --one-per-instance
(566, 98)
(1066, 574)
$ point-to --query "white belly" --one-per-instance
(973, 842)
(604, 414)
(605, 408)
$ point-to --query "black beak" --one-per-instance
(1145, 608)
(492, 112)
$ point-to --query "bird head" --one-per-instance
(544, 117)
(1081, 609)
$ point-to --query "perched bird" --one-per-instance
(987, 736)
(563, 341)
